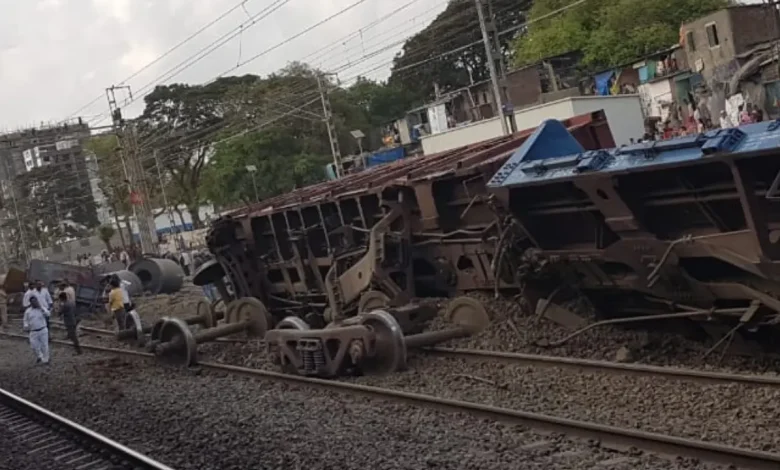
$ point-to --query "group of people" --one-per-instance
(38, 305)
(105, 257)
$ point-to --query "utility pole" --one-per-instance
(127, 151)
(144, 215)
(168, 208)
(493, 55)
(328, 117)
(118, 126)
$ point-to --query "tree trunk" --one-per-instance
(181, 218)
(195, 217)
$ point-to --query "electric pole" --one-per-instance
(334, 141)
(493, 55)
(168, 208)
(127, 151)
(144, 216)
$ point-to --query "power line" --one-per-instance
(166, 53)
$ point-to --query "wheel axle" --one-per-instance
(370, 343)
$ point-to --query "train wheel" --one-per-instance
(372, 300)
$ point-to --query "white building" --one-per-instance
(624, 116)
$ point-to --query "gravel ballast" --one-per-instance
(192, 420)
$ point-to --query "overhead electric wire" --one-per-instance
(224, 39)
(417, 64)
(165, 54)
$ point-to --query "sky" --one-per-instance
(56, 56)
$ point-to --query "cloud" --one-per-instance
(57, 56)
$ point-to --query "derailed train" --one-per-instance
(684, 229)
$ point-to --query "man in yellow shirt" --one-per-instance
(115, 303)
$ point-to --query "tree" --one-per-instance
(608, 32)
(280, 167)
(422, 61)
(182, 122)
(112, 182)
(106, 233)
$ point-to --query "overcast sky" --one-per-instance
(58, 55)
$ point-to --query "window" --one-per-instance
(712, 35)
(690, 42)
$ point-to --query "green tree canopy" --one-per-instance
(423, 61)
(608, 32)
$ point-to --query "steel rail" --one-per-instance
(561, 362)
(608, 367)
(67, 441)
(609, 436)
(589, 365)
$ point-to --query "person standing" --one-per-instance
(44, 299)
(116, 303)
(725, 121)
(35, 321)
(29, 293)
(43, 294)
(70, 319)
(68, 289)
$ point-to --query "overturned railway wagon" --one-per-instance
(419, 227)
(678, 230)
(665, 232)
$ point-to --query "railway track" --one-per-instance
(560, 362)
(608, 436)
(60, 443)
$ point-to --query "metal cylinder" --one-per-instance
(219, 331)
(431, 338)
(130, 333)
(159, 276)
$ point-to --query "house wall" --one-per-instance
(624, 115)
(460, 136)
(753, 25)
(739, 29)
(710, 61)
(524, 86)
(655, 95)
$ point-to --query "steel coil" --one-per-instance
(159, 276)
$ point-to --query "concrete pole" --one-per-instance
(497, 102)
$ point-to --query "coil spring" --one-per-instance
(313, 361)
(312, 355)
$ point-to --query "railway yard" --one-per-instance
(209, 418)
(518, 303)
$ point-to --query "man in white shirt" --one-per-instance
(29, 293)
(35, 320)
(43, 294)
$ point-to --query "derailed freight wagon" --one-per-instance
(419, 227)
(669, 231)
(335, 276)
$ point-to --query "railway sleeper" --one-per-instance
(369, 343)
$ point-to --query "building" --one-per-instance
(714, 42)
(44, 171)
(721, 51)
(623, 112)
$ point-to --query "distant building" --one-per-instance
(726, 48)
(36, 157)
(713, 42)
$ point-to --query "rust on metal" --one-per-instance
(419, 227)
